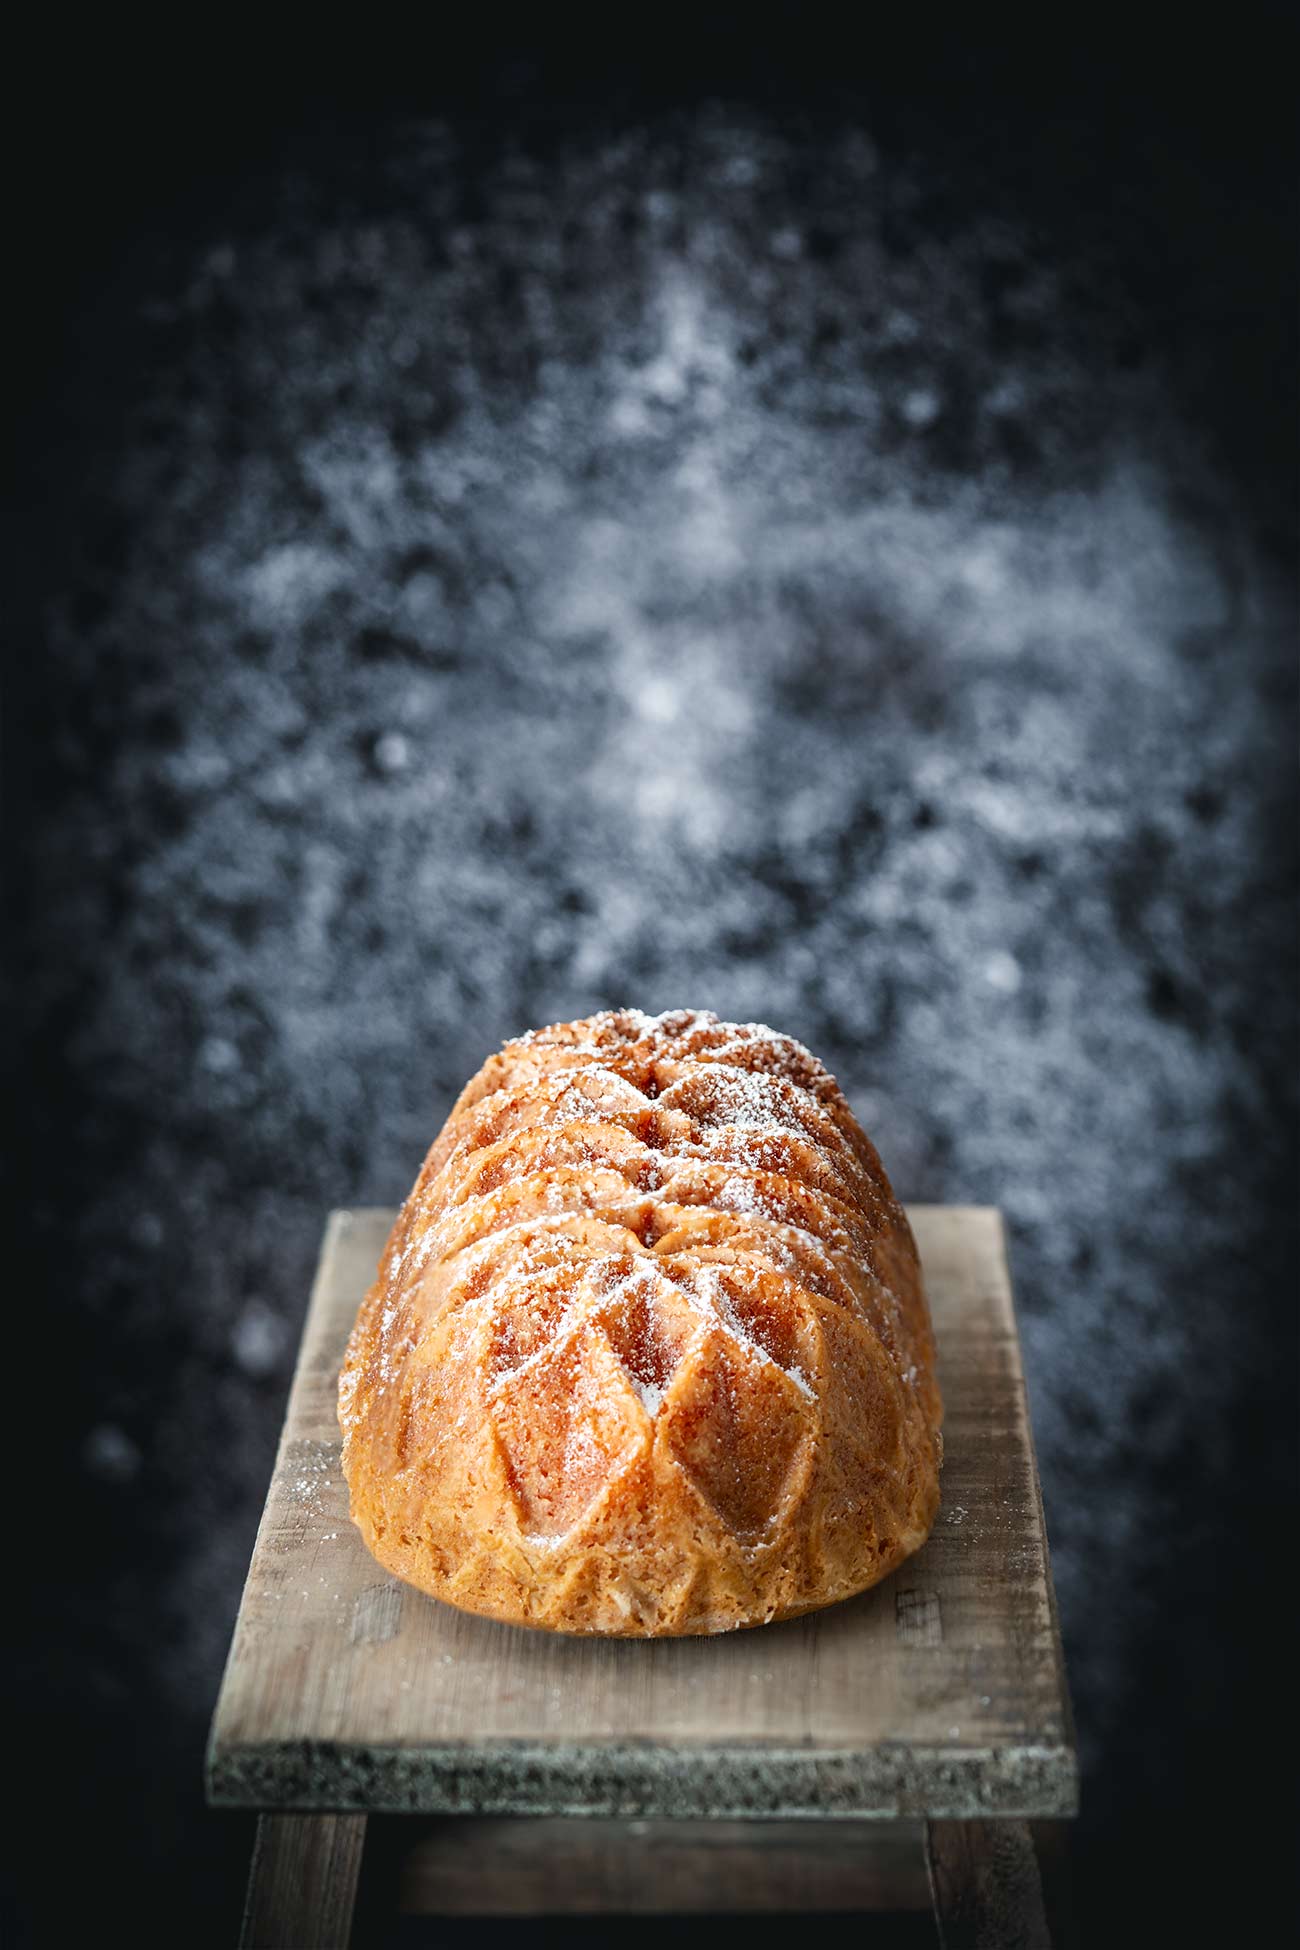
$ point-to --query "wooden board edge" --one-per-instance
(641, 1779)
(337, 1221)
(1035, 1477)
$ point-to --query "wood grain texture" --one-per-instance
(558, 1867)
(939, 1693)
(302, 1886)
(986, 1887)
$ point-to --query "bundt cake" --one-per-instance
(648, 1351)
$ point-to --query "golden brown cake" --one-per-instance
(648, 1351)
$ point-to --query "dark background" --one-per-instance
(774, 524)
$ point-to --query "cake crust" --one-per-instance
(648, 1352)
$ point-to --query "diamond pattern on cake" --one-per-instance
(735, 1423)
(565, 1422)
(648, 1324)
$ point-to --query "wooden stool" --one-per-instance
(819, 1764)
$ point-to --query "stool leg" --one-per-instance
(986, 1887)
(302, 1886)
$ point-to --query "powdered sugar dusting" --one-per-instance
(604, 1158)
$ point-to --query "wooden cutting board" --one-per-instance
(939, 1694)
